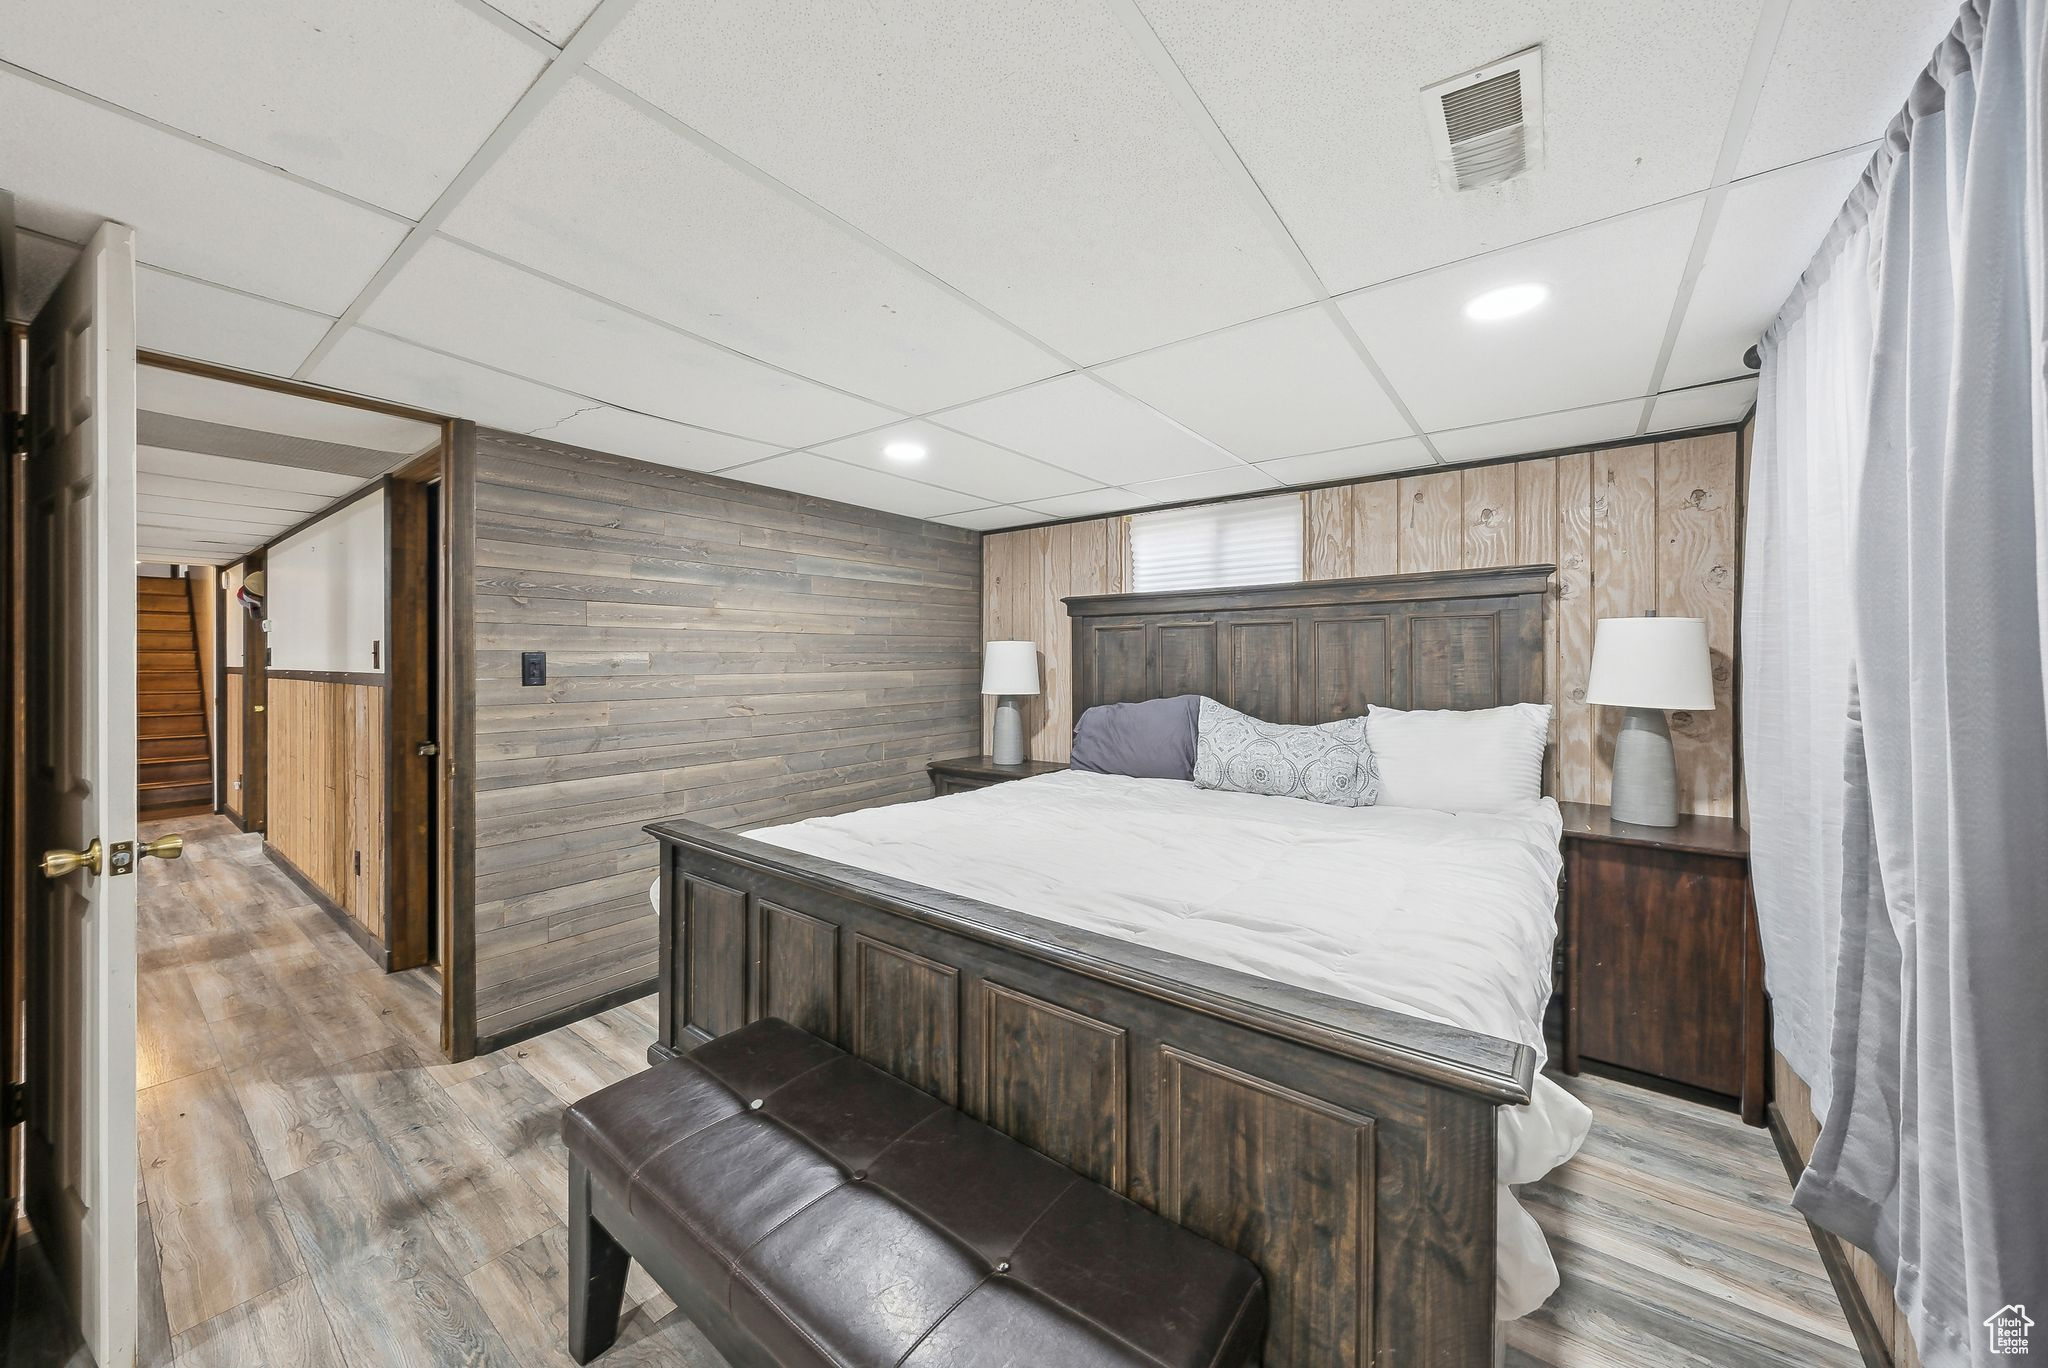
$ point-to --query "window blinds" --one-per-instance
(1251, 541)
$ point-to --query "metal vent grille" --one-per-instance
(1487, 124)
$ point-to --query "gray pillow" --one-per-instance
(1329, 764)
(1150, 740)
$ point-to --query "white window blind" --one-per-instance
(1251, 541)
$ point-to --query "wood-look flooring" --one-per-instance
(318, 1189)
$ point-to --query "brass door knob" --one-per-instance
(163, 847)
(58, 863)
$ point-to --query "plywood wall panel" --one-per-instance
(1697, 552)
(718, 652)
(326, 787)
(1489, 517)
(1432, 522)
(231, 747)
(1629, 530)
(1327, 533)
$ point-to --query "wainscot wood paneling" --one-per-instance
(327, 790)
(735, 655)
(1794, 1106)
(1653, 526)
(231, 749)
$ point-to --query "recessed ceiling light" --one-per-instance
(905, 451)
(1506, 302)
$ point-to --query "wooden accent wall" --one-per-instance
(327, 790)
(1632, 529)
(1794, 1103)
(231, 748)
(734, 655)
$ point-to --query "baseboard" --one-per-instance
(555, 1020)
(1855, 1308)
(338, 914)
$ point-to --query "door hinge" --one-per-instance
(13, 1105)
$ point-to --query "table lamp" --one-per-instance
(1648, 665)
(1009, 670)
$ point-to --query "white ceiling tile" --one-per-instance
(211, 400)
(1089, 504)
(381, 99)
(1215, 484)
(385, 368)
(1028, 154)
(808, 473)
(470, 305)
(1323, 103)
(1545, 432)
(72, 164)
(554, 20)
(1841, 71)
(1596, 338)
(987, 519)
(1703, 407)
(644, 438)
(599, 193)
(180, 316)
(227, 470)
(176, 493)
(958, 461)
(1079, 425)
(1277, 387)
(1403, 453)
(1766, 236)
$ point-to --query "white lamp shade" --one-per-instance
(1009, 667)
(1651, 662)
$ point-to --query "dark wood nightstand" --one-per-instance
(1663, 968)
(979, 771)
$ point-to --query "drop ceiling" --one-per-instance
(223, 468)
(1090, 254)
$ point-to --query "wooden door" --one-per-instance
(80, 790)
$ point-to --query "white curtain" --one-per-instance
(1896, 693)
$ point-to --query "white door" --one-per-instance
(80, 582)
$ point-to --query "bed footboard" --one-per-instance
(1346, 1150)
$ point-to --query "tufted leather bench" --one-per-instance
(805, 1208)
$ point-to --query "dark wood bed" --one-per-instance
(1347, 1150)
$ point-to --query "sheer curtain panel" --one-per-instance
(1896, 694)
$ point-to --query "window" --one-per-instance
(1251, 541)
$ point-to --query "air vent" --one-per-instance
(1487, 125)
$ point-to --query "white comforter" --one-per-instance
(1436, 914)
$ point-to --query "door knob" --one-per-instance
(427, 748)
(58, 863)
(163, 847)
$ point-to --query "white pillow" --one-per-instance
(1469, 760)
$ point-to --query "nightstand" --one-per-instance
(1663, 968)
(979, 771)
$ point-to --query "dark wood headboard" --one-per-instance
(1323, 649)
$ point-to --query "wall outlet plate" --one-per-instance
(533, 667)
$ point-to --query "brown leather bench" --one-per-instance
(805, 1208)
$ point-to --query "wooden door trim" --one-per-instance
(279, 385)
(458, 741)
(407, 722)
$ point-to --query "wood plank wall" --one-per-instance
(1795, 1108)
(327, 790)
(716, 651)
(1636, 528)
(231, 749)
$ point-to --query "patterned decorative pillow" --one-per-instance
(1329, 764)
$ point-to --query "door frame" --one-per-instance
(446, 469)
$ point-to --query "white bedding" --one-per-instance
(1432, 913)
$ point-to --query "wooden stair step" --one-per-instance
(154, 661)
(183, 746)
(172, 771)
(149, 618)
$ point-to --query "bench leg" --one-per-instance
(597, 1273)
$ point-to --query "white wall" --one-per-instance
(325, 592)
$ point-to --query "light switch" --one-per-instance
(533, 667)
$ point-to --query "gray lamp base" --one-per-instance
(1009, 739)
(1645, 776)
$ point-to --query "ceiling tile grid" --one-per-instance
(1070, 249)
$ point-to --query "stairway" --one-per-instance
(174, 765)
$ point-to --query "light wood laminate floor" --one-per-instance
(319, 1189)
